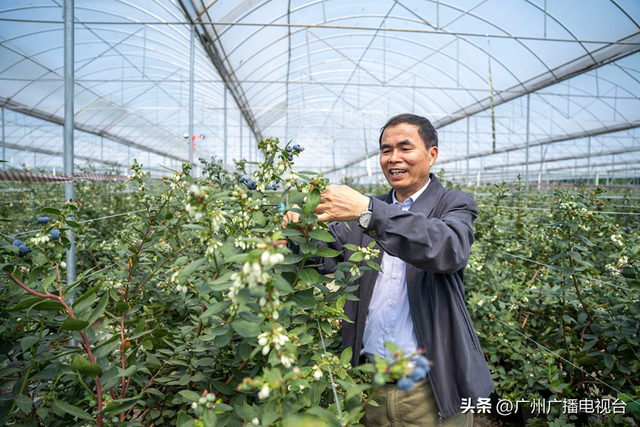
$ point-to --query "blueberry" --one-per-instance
(274, 187)
(43, 219)
(55, 234)
(251, 185)
(23, 250)
(627, 230)
(418, 374)
(297, 148)
(288, 149)
(126, 219)
(17, 242)
(405, 384)
(291, 158)
(575, 249)
(585, 203)
(242, 179)
(423, 362)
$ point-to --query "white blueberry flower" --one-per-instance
(264, 392)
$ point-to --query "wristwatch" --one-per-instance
(365, 217)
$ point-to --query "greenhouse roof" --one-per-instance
(495, 76)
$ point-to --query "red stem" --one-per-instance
(87, 346)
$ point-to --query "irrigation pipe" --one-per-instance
(333, 385)
(555, 267)
(567, 361)
(87, 220)
(547, 209)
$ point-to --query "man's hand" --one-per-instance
(341, 203)
(294, 217)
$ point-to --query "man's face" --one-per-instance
(404, 159)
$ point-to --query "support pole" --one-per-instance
(191, 72)
(589, 160)
(225, 125)
(468, 120)
(102, 150)
(4, 164)
(526, 173)
(69, 127)
(241, 135)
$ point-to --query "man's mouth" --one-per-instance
(397, 171)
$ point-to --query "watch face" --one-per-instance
(363, 220)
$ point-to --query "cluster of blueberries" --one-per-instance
(251, 184)
(24, 249)
(419, 373)
(295, 148)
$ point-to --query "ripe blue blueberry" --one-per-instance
(43, 219)
(418, 374)
(17, 242)
(627, 230)
(423, 362)
(23, 250)
(288, 149)
(126, 219)
(55, 234)
(242, 179)
(291, 158)
(406, 384)
(274, 187)
(297, 148)
(251, 185)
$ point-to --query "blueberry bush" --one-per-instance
(553, 292)
(192, 311)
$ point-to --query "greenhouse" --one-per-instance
(156, 154)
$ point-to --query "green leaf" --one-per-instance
(346, 356)
(28, 341)
(84, 367)
(258, 218)
(99, 309)
(24, 403)
(356, 257)
(608, 360)
(188, 270)
(313, 200)
(374, 265)
(322, 235)
(309, 276)
(246, 329)
(72, 410)
(215, 309)
(53, 211)
(327, 252)
(86, 295)
(575, 255)
(122, 306)
(114, 409)
(209, 418)
(191, 396)
(71, 324)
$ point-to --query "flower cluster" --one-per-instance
(617, 238)
(275, 338)
(369, 253)
(251, 275)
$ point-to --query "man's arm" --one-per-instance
(440, 245)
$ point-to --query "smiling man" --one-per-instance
(417, 302)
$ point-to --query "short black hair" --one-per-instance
(426, 130)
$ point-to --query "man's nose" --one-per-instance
(394, 157)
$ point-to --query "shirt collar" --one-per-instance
(414, 196)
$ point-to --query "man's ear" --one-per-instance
(433, 155)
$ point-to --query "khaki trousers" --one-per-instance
(417, 409)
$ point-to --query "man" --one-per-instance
(417, 302)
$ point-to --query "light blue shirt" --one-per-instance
(388, 317)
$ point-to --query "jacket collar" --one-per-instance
(427, 200)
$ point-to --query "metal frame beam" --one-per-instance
(14, 106)
(207, 33)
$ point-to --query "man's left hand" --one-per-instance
(341, 203)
